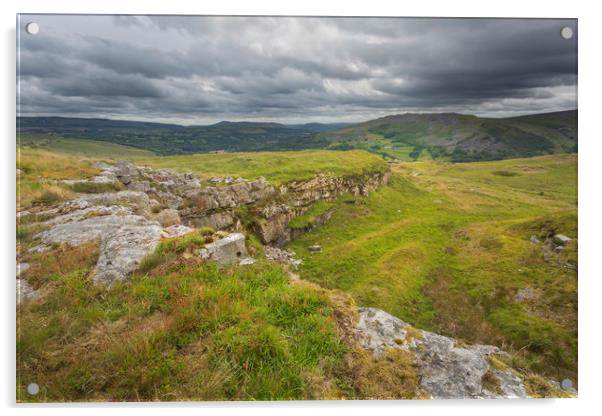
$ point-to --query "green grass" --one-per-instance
(188, 332)
(277, 167)
(309, 217)
(460, 137)
(35, 164)
(446, 247)
(387, 148)
(83, 147)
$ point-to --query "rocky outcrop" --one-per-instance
(176, 231)
(137, 201)
(447, 368)
(168, 217)
(298, 197)
(162, 203)
(225, 251)
(125, 238)
(123, 248)
(216, 206)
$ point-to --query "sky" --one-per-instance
(201, 70)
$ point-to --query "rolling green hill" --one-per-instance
(170, 139)
(460, 138)
(446, 136)
(85, 147)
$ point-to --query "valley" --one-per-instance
(403, 137)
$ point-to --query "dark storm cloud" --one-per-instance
(195, 69)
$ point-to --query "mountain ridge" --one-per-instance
(408, 136)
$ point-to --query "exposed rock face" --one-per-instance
(214, 205)
(122, 249)
(127, 229)
(137, 201)
(299, 196)
(124, 238)
(176, 231)
(217, 221)
(226, 251)
(447, 370)
(168, 217)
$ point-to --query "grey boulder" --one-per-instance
(226, 251)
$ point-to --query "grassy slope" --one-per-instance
(460, 137)
(445, 250)
(35, 164)
(277, 167)
(446, 247)
(183, 330)
(89, 148)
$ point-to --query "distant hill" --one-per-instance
(459, 137)
(166, 139)
(447, 136)
(319, 127)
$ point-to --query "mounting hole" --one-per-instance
(32, 28)
(33, 389)
(566, 384)
(566, 32)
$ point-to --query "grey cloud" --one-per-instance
(212, 68)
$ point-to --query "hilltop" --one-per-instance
(445, 136)
(459, 137)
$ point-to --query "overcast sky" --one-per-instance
(200, 70)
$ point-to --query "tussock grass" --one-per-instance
(39, 169)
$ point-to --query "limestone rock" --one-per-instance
(447, 370)
(225, 251)
(93, 211)
(76, 233)
(247, 261)
(281, 255)
(315, 248)
(561, 239)
(217, 221)
(122, 249)
(168, 217)
(138, 201)
(176, 231)
(140, 186)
